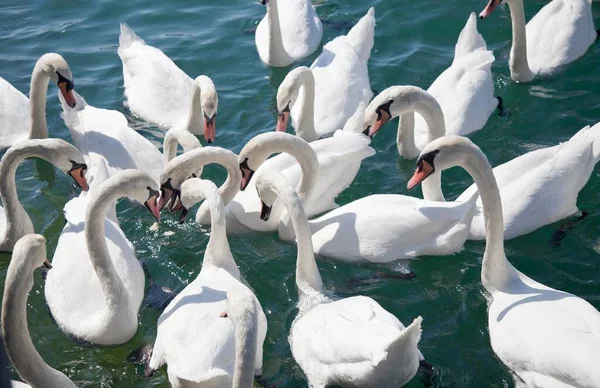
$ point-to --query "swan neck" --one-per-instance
(195, 119)
(218, 252)
(405, 138)
(21, 351)
(306, 120)
(245, 351)
(308, 161)
(496, 271)
(519, 65)
(170, 144)
(37, 100)
(95, 237)
(277, 54)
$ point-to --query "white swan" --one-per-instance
(290, 30)
(349, 342)
(100, 304)
(197, 345)
(29, 254)
(546, 337)
(464, 91)
(243, 312)
(24, 118)
(160, 92)
(104, 134)
(14, 221)
(321, 99)
(558, 34)
(324, 168)
(541, 187)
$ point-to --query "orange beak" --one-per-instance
(383, 118)
(79, 177)
(423, 171)
(210, 130)
(67, 94)
(246, 177)
(152, 205)
(489, 8)
(282, 121)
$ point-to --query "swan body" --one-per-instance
(194, 358)
(321, 99)
(105, 135)
(160, 92)
(348, 342)
(561, 32)
(546, 337)
(464, 91)
(100, 304)
(289, 31)
(24, 119)
(541, 187)
(29, 254)
(15, 222)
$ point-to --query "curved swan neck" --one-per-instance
(405, 138)
(173, 138)
(277, 54)
(21, 351)
(496, 270)
(95, 237)
(306, 119)
(37, 100)
(519, 66)
(246, 333)
(195, 121)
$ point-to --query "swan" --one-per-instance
(321, 99)
(546, 337)
(104, 134)
(29, 254)
(290, 30)
(325, 168)
(100, 304)
(14, 221)
(464, 91)
(558, 34)
(160, 92)
(541, 187)
(24, 118)
(243, 313)
(349, 342)
(198, 346)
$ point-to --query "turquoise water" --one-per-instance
(414, 43)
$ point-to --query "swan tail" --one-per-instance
(356, 122)
(408, 338)
(592, 134)
(470, 40)
(362, 35)
(128, 37)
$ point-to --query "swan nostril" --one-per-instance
(209, 141)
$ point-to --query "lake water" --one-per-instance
(414, 43)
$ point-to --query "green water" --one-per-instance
(414, 43)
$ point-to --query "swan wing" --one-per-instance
(362, 35)
(14, 115)
(156, 89)
(387, 227)
(191, 324)
(103, 134)
(534, 328)
(559, 33)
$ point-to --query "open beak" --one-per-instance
(265, 211)
(489, 8)
(423, 171)
(184, 213)
(176, 203)
(210, 130)
(382, 119)
(78, 175)
(67, 94)
(166, 192)
(282, 121)
(246, 177)
(47, 264)
(152, 205)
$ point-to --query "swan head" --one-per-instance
(440, 154)
(140, 187)
(31, 249)
(209, 101)
(193, 191)
(287, 94)
(55, 67)
(490, 7)
(266, 192)
(64, 156)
